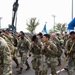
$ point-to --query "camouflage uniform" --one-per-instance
(10, 41)
(57, 43)
(36, 61)
(5, 58)
(23, 47)
(65, 38)
(71, 59)
(51, 59)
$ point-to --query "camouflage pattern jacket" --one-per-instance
(70, 43)
(52, 51)
(5, 58)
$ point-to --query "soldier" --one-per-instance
(10, 41)
(36, 51)
(56, 41)
(50, 51)
(5, 58)
(70, 44)
(23, 47)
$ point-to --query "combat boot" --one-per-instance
(28, 67)
(40, 72)
(20, 71)
(59, 61)
(16, 61)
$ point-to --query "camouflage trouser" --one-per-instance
(71, 66)
(59, 61)
(23, 59)
(6, 72)
(50, 62)
(44, 68)
(36, 62)
(1, 71)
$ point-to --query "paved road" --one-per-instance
(31, 71)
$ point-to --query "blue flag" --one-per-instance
(44, 29)
(71, 25)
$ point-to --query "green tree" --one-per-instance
(32, 24)
(58, 28)
(61, 27)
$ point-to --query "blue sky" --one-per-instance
(41, 9)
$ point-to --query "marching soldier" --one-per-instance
(55, 40)
(50, 51)
(23, 47)
(70, 44)
(5, 58)
(36, 51)
(10, 41)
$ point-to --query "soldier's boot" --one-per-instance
(70, 72)
(66, 68)
(43, 73)
(36, 72)
(20, 71)
(28, 67)
(53, 71)
(16, 61)
(59, 62)
(40, 72)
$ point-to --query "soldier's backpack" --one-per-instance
(59, 52)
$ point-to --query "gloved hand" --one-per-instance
(67, 53)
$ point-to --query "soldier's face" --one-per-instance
(44, 38)
(72, 36)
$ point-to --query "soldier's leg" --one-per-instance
(53, 71)
(28, 67)
(66, 67)
(37, 70)
(21, 65)
(44, 69)
(53, 67)
(70, 67)
(16, 61)
(59, 61)
(20, 68)
(21, 54)
(39, 63)
(34, 66)
(70, 71)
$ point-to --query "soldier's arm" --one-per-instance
(53, 49)
(7, 61)
(66, 47)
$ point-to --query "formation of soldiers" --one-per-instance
(46, 51)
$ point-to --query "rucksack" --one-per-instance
(59, 52)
